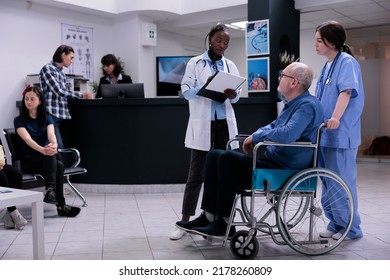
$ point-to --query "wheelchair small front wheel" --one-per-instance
(247, 252)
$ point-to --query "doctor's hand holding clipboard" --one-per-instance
(221, 85)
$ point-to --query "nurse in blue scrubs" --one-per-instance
(340, 90)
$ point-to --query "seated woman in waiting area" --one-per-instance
(39, 148)
(11, 177)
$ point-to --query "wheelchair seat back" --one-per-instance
(275, 179)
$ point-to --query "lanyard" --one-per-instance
(328, 77)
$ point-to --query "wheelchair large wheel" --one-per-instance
(247, 252)
(265, 212)
(323, 188)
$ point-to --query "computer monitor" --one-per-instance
(170, 72)
(135, 90)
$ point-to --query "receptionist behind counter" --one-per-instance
(112, 73)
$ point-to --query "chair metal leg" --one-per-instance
(76, 191)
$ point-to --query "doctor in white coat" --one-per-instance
(211, 124)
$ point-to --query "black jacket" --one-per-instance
(126, 79)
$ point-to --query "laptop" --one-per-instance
(120, 91)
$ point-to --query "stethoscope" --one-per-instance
(255, 42)
(328, 79)
(205, 63)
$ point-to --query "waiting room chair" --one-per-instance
(71, 161)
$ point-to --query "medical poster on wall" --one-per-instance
(81, 40)
(257, 37)
(258, 74)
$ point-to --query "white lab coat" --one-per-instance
(198, 135)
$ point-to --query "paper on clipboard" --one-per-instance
(214, 89)
(224, 80)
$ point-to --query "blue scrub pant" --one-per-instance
(343, 162)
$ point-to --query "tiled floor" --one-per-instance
(136, 226)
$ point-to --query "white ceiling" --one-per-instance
(366, 20)
(351, 13)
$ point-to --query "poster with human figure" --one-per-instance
(81, 40)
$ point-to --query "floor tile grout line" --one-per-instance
(143, 224)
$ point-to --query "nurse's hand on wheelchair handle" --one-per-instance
(332, 123)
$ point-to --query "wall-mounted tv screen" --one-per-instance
(170, 71)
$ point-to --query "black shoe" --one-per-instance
(201, 221)
(68, 211)
(50, 196)
(217, 228)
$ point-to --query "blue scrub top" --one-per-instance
(346, 75)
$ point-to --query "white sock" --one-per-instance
(209, 216)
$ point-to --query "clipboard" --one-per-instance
(214, 88)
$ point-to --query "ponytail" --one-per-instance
(347, 49)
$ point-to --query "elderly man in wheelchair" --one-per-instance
(228, 173)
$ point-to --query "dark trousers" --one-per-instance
(10, 177)
(226, 173)
(219, 139)
(52, 169)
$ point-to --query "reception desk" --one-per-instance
(141, 141)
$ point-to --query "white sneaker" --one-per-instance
(8, 222)
(18, 219)
(177, 234)
(338, 235)
(327, 234)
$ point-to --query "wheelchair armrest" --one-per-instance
(76, 154)
(292, 144)
(238, 138)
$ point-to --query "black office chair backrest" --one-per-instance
(14, 142)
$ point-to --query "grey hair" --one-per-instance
(303, 73)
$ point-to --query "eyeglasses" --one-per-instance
(281, 75)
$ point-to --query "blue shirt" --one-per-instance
(53, 84)
(298, 121)
(36, 131)
(217, 109)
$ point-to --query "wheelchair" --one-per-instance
(292, 213)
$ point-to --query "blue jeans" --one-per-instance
(57, 130)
